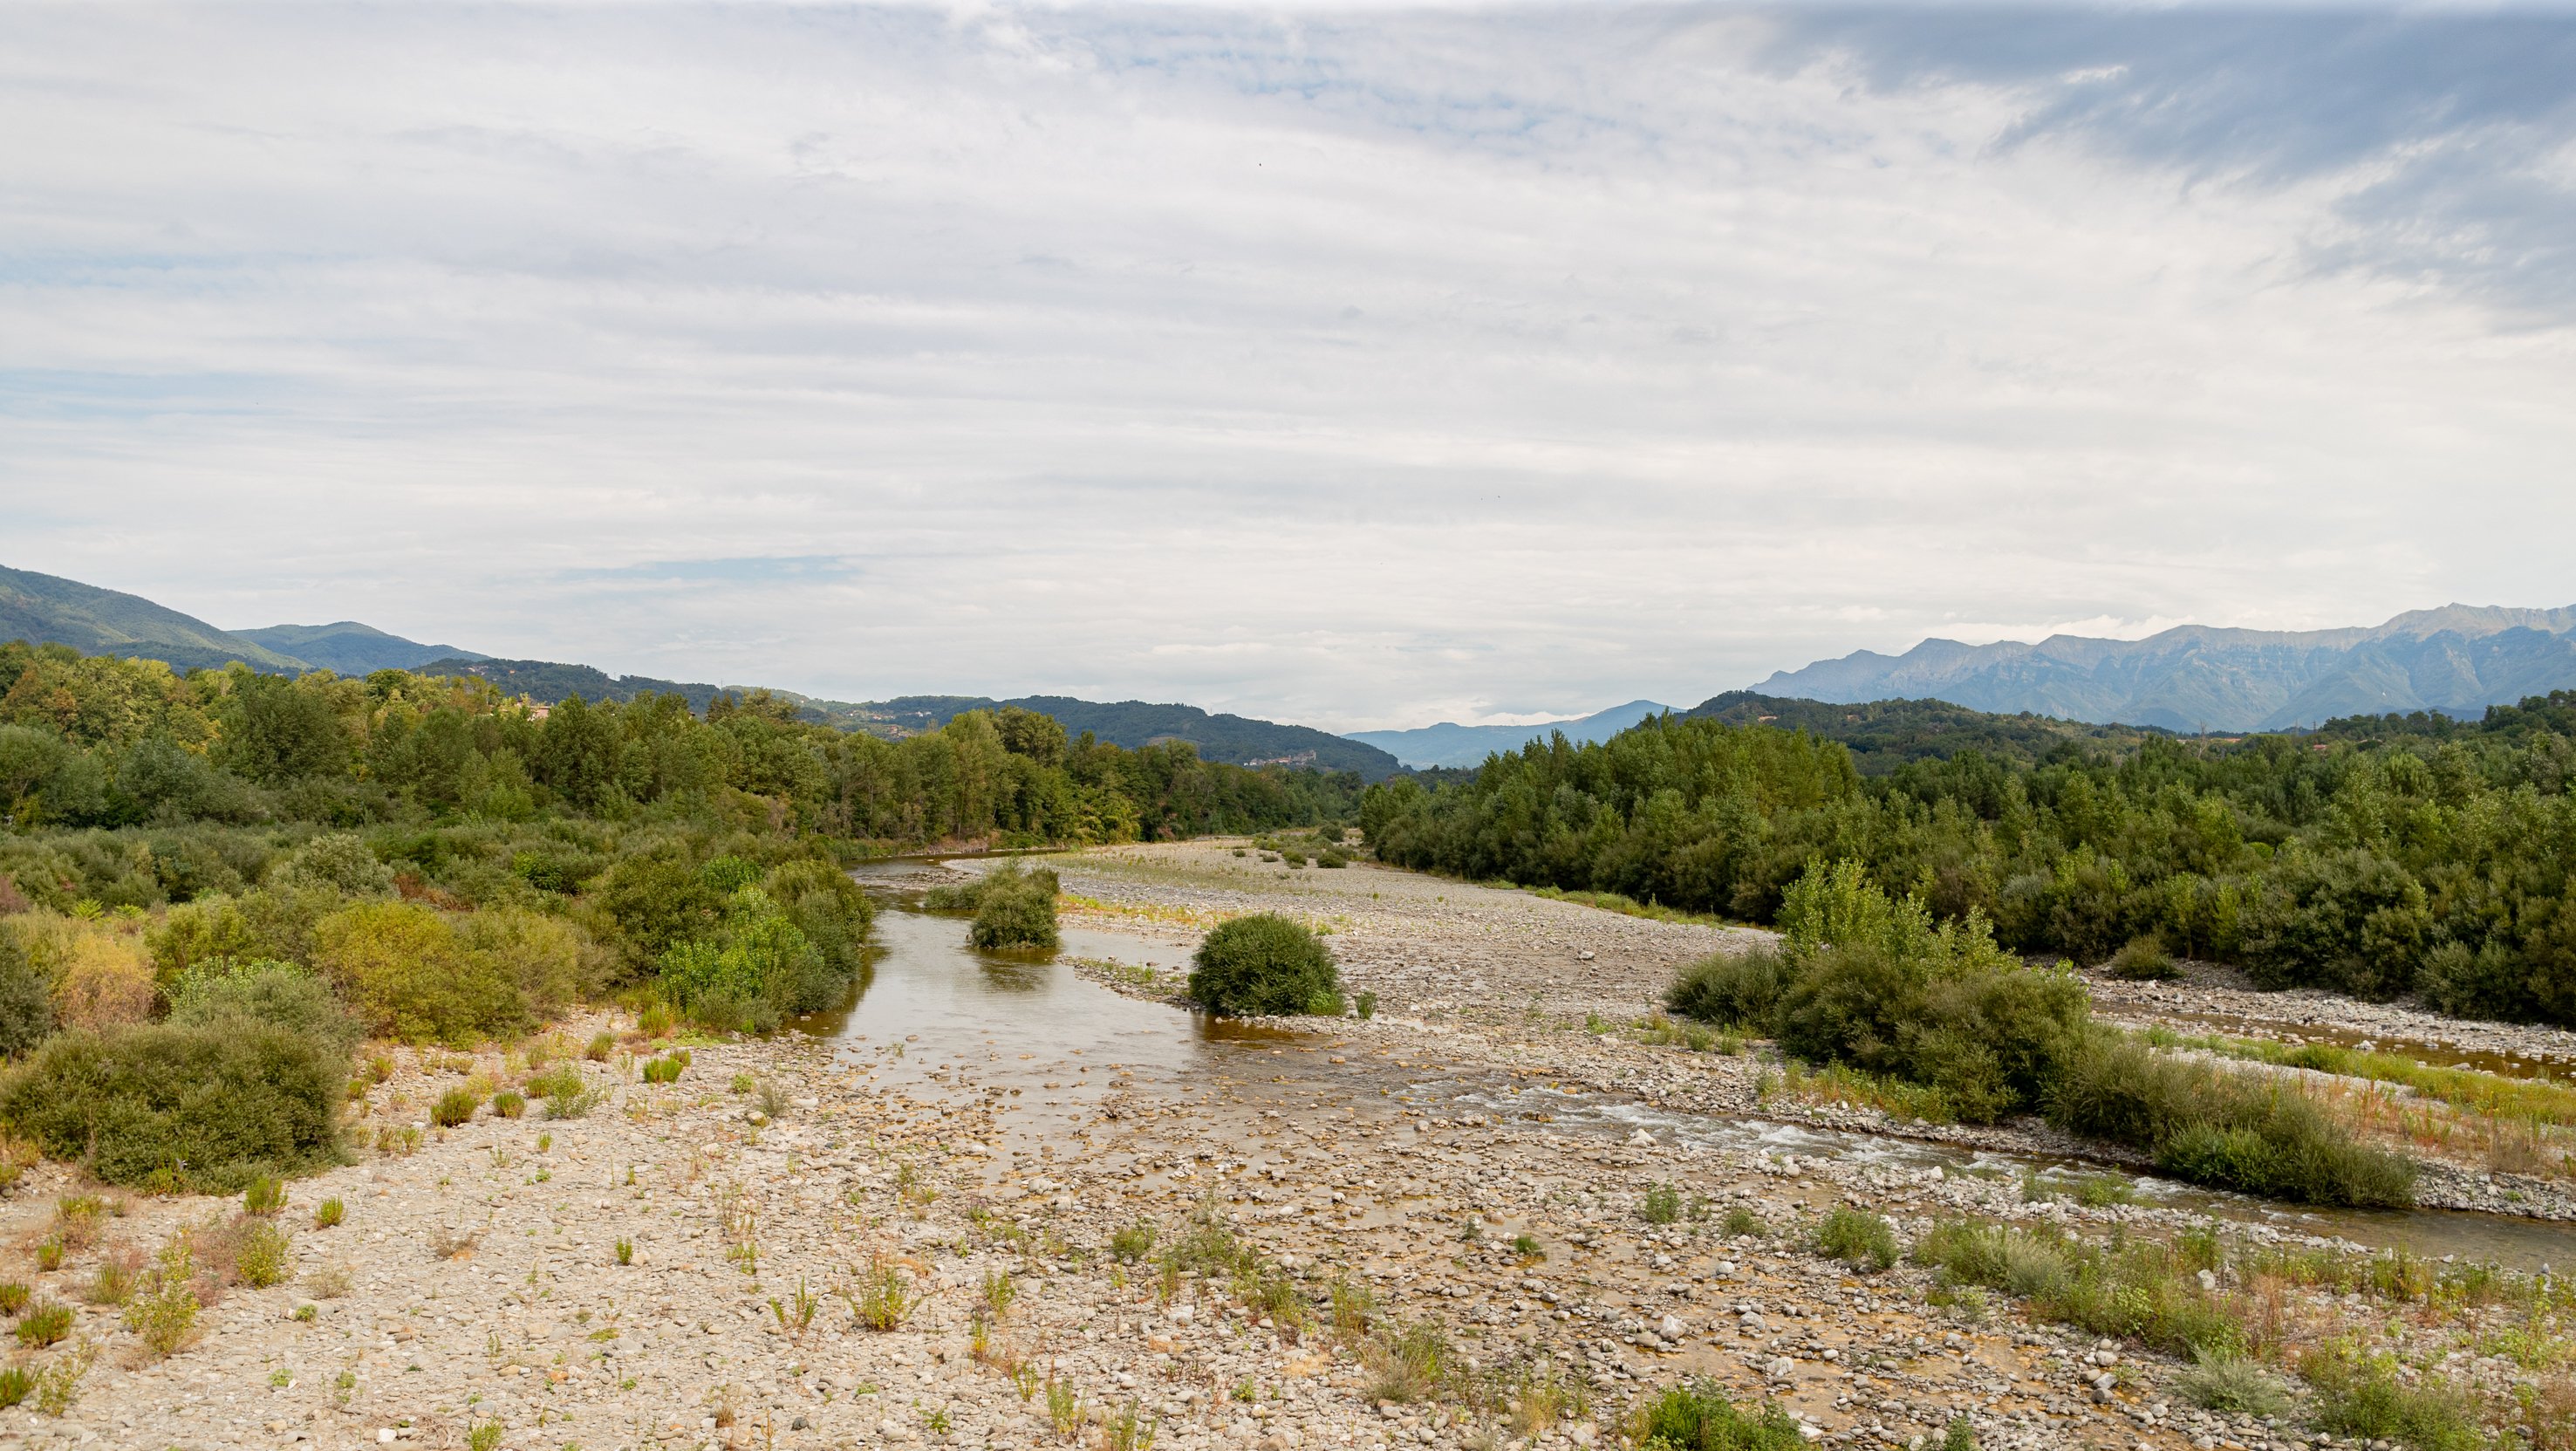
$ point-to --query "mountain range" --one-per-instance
(2456, 660)
(1450, 744)
(45, 608)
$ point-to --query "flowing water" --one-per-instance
(951, 1024)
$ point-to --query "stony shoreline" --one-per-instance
(484, 1289)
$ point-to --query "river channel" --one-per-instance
(949, 1024)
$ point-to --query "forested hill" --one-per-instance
(349, 648)
(1235, 739)
(551, 682)
(1886, 734)
(47, 608)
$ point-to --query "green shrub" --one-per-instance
(263, 1254)
(45, 1323)
(1731, 989)
(2221, 1380)
(13, 1297)
(455, 1106)
(279, 993)
(403, 968)
(338, 861)
(2233, 1130)
(1862, 1240)
(1697, 1416)
(1661, 1205)
(200, 1108)
(164, 1315)
(2363, 1399)
(14, 1386)
(26, 1007)
(329, 1213)
(2144, 959)
(1264, 964)
(508, 1104)
(1015, 909)
(264, 1195)
(757, 968)
(2140, 1291)
(566, 1094)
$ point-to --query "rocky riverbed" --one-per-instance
(704, 1263)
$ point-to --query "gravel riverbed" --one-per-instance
(476, 1282)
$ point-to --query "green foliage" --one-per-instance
(2233, 1130)
(2144, 959)
(2363, 1398)
(280, 994)
(2222, 1380)
(409, 975)
(263, 1254)
(264, 1195)
(2375, 858)
(1264, 964)
(206, 1108)
(2140, 1291)
(1697, 1416)
(455, 1106)
(1864, 1241)
(338, 862)
(44, 1323)
(1131, 1244)
(1014, 909)
(1732, 989)
(26, 1008)
(756, 969)
(1661, 1205)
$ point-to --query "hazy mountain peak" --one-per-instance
(2456, 659)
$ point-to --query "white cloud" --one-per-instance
(1354, 368)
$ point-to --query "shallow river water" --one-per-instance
(950, 1024)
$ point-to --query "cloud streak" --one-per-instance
(1352, 367)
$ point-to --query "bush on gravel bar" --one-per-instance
(206, 1109)
(1265, 965)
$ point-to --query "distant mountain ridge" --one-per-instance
(350, 648)
(1450, 744)
(48, 609)
(2457, 660)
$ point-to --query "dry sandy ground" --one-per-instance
(484, 1305)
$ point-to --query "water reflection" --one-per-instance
(1031, 1023)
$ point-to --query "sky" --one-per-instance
(1356, 366)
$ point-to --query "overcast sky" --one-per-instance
(1359, 367)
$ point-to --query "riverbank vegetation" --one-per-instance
(213, 886)
(1870, 982)
(1013, 907)
(1265, 965)
(2374, 862)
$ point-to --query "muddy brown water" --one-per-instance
(950, 1025)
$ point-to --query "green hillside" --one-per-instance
(47, 609)
(351, 648)
(1235, 739)
(1885, 734)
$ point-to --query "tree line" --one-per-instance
(2375, 858)
(108, 743)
